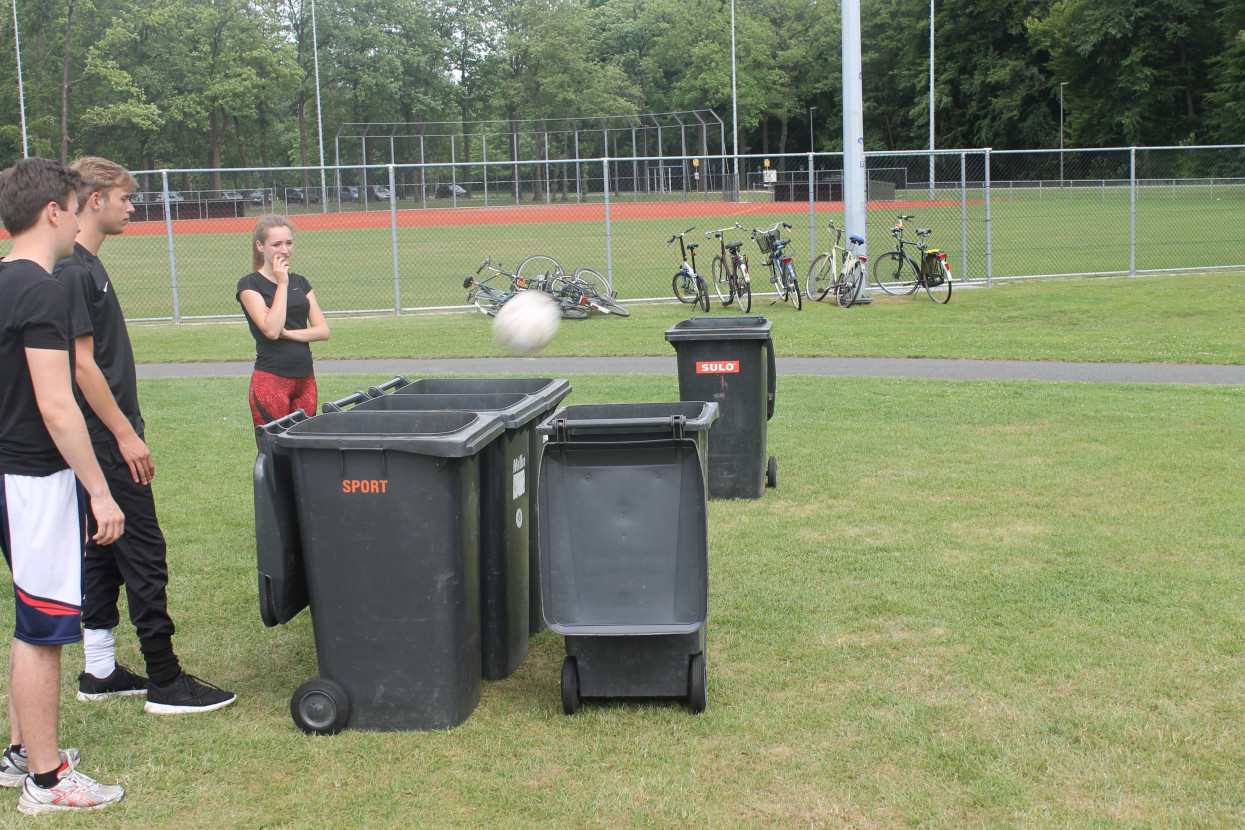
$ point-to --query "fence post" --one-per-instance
(812, 219)
(989, 263)
(1132, 211)
(168, 231)
(609, 250)
(393, 233)
(964, 215)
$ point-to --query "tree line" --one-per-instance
(231, 83)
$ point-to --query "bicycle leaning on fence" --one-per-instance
(899, 274)
(825, 276)
(730, 271)
(689, 286)
(781, 271)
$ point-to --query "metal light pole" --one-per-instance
(812, 147)
(931, 100)
(734, 104)
(21, 89)
(855, 200)
(1061, 86)
(315, 52)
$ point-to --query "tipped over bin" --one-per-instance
(388, 512)
(624, 548)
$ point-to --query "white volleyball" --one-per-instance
(527, 322)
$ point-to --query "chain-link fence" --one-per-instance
(393, 238)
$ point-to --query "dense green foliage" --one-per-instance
(211, 83)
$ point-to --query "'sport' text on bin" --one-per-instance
(364, 485)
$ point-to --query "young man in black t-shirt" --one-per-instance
(109, 391)
(43, 445)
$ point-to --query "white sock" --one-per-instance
(101, 651)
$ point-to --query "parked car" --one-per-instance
(445, 191)
(379, 192)
(348, 194)
(295, 194)
(235, 195)
(174, 196)
(259, 197)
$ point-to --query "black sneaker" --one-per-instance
(186, 693)
(121, 683)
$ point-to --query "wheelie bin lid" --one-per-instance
(586, 420)
(550, 391)
(515, 409)
(446, 434)
(743, 327)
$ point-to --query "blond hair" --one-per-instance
(99, 175)
(265, 224)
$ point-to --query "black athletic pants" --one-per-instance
(137, 561)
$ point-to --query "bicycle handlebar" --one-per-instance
(486, 263)
(680, 235)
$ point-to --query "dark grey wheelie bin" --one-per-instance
(278, 542)
(550, 392)
(388, 515)
(505, 512)
(730, 361)
(624, 548)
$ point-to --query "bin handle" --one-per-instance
(350, 400)
(562, 427)
(282, 424)
(772, 379)
(397, 383)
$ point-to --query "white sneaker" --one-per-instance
(15, 768)
(74, 791)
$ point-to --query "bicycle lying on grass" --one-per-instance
(730, 271)
(899, 274)
(689, 286)
(490, 298)
(584, 286)
(825, 276)
(781, 271)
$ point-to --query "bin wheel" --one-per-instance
(320, 707)
(697, 684)
(570, 686)
(771, 472)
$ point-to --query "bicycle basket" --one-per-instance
(766, 242)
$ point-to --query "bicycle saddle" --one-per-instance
(734, 246)
(855, 240)
(924, 231)
(467, 282)
(691, 246)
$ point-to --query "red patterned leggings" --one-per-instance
(273, 396)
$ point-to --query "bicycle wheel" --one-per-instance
(539, 268)
(940, 292)
(780, 284)
(702, 291)
(847, 287)
(685, 288)
(743, 291)
(820, 277)
(574, 312)
(793, 285)
(489, 303)
(612, 306)
(594, 280)
(896, 274)
(721, 282)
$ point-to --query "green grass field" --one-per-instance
(967, 604)
(1188, 319)
(354, 269)
(996, 605)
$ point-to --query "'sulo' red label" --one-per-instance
(717, 367)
